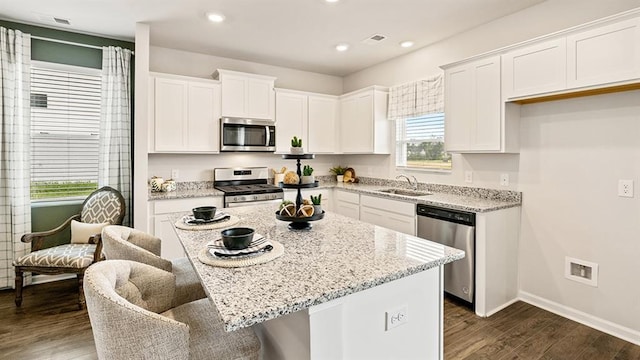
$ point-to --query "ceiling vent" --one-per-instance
(61, 21)
(374, 39)
(52, 19)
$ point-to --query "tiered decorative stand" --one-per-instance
(299, 223)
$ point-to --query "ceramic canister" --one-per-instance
(168, 186)
(156, 184)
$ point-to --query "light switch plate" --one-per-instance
(504, 179)
(468, 176)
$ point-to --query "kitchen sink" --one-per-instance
(405, 192)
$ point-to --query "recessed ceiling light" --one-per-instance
(332, 1)
(342, 47)
(406, 44)
(215, 17)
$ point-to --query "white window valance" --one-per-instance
(416, 98)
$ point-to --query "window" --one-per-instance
(65, 126)
(420, 143)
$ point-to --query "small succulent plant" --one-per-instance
(307, 170)
(295, 142)
(315, 200)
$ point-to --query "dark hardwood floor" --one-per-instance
(50, 326)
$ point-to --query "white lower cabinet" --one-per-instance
(392, 214)
(347, 203)
(163, 226)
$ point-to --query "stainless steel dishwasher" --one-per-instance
(455, 229)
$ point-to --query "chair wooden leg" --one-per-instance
(81, 301)
(19, 280)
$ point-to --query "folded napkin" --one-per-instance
(219, 216)
(258, 245)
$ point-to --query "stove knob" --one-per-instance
(255, 197)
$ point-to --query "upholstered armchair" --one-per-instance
(124, 243)
(102, 207)
(132, 317)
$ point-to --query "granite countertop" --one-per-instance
(184, 194)
(338, 257)
(463, 198)
(458, 201)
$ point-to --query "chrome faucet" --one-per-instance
(415, 181)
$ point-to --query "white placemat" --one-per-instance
(182, 224)
(206, 257)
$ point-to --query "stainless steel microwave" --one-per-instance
(237, 134)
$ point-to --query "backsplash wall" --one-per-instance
(199, 167)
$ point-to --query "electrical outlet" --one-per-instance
(625, 188)
(396, 317)
(468, 176)
(504, 179)
(175, 173)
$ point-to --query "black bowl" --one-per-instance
(204, 212)
(237, 238)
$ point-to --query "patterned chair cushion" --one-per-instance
(76, 256)
(101, 207)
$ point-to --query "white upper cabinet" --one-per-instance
(313, 117)
(291, 119)
(474, 120)
(599, 55)
(185, 115)
(322, 120)
(603, 55)
(247, 95)
(535, 69)
(364, 128)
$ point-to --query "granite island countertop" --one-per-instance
(338, 257)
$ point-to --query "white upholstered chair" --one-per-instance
(125, 243)
(132, 317)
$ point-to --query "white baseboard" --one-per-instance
(501, 307)
(41, 279)
(619, 331)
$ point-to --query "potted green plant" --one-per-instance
(307, 175)
(316, 200)
(296, 146)
(339, 172)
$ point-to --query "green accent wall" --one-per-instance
(65, 53)
(47, 216)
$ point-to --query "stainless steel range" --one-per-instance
(246, 186)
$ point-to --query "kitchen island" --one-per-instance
(343, 290)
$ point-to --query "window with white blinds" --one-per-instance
(65, 126)
(420, 143)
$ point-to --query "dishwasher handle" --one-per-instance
(454, 216)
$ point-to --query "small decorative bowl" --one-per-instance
(204, 212)
(237, 238)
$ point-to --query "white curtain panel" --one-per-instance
(115, 126)
(15, 176)
(416, 98)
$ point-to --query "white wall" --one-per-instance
(544, 18)
(185, 63)
(573, 152)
